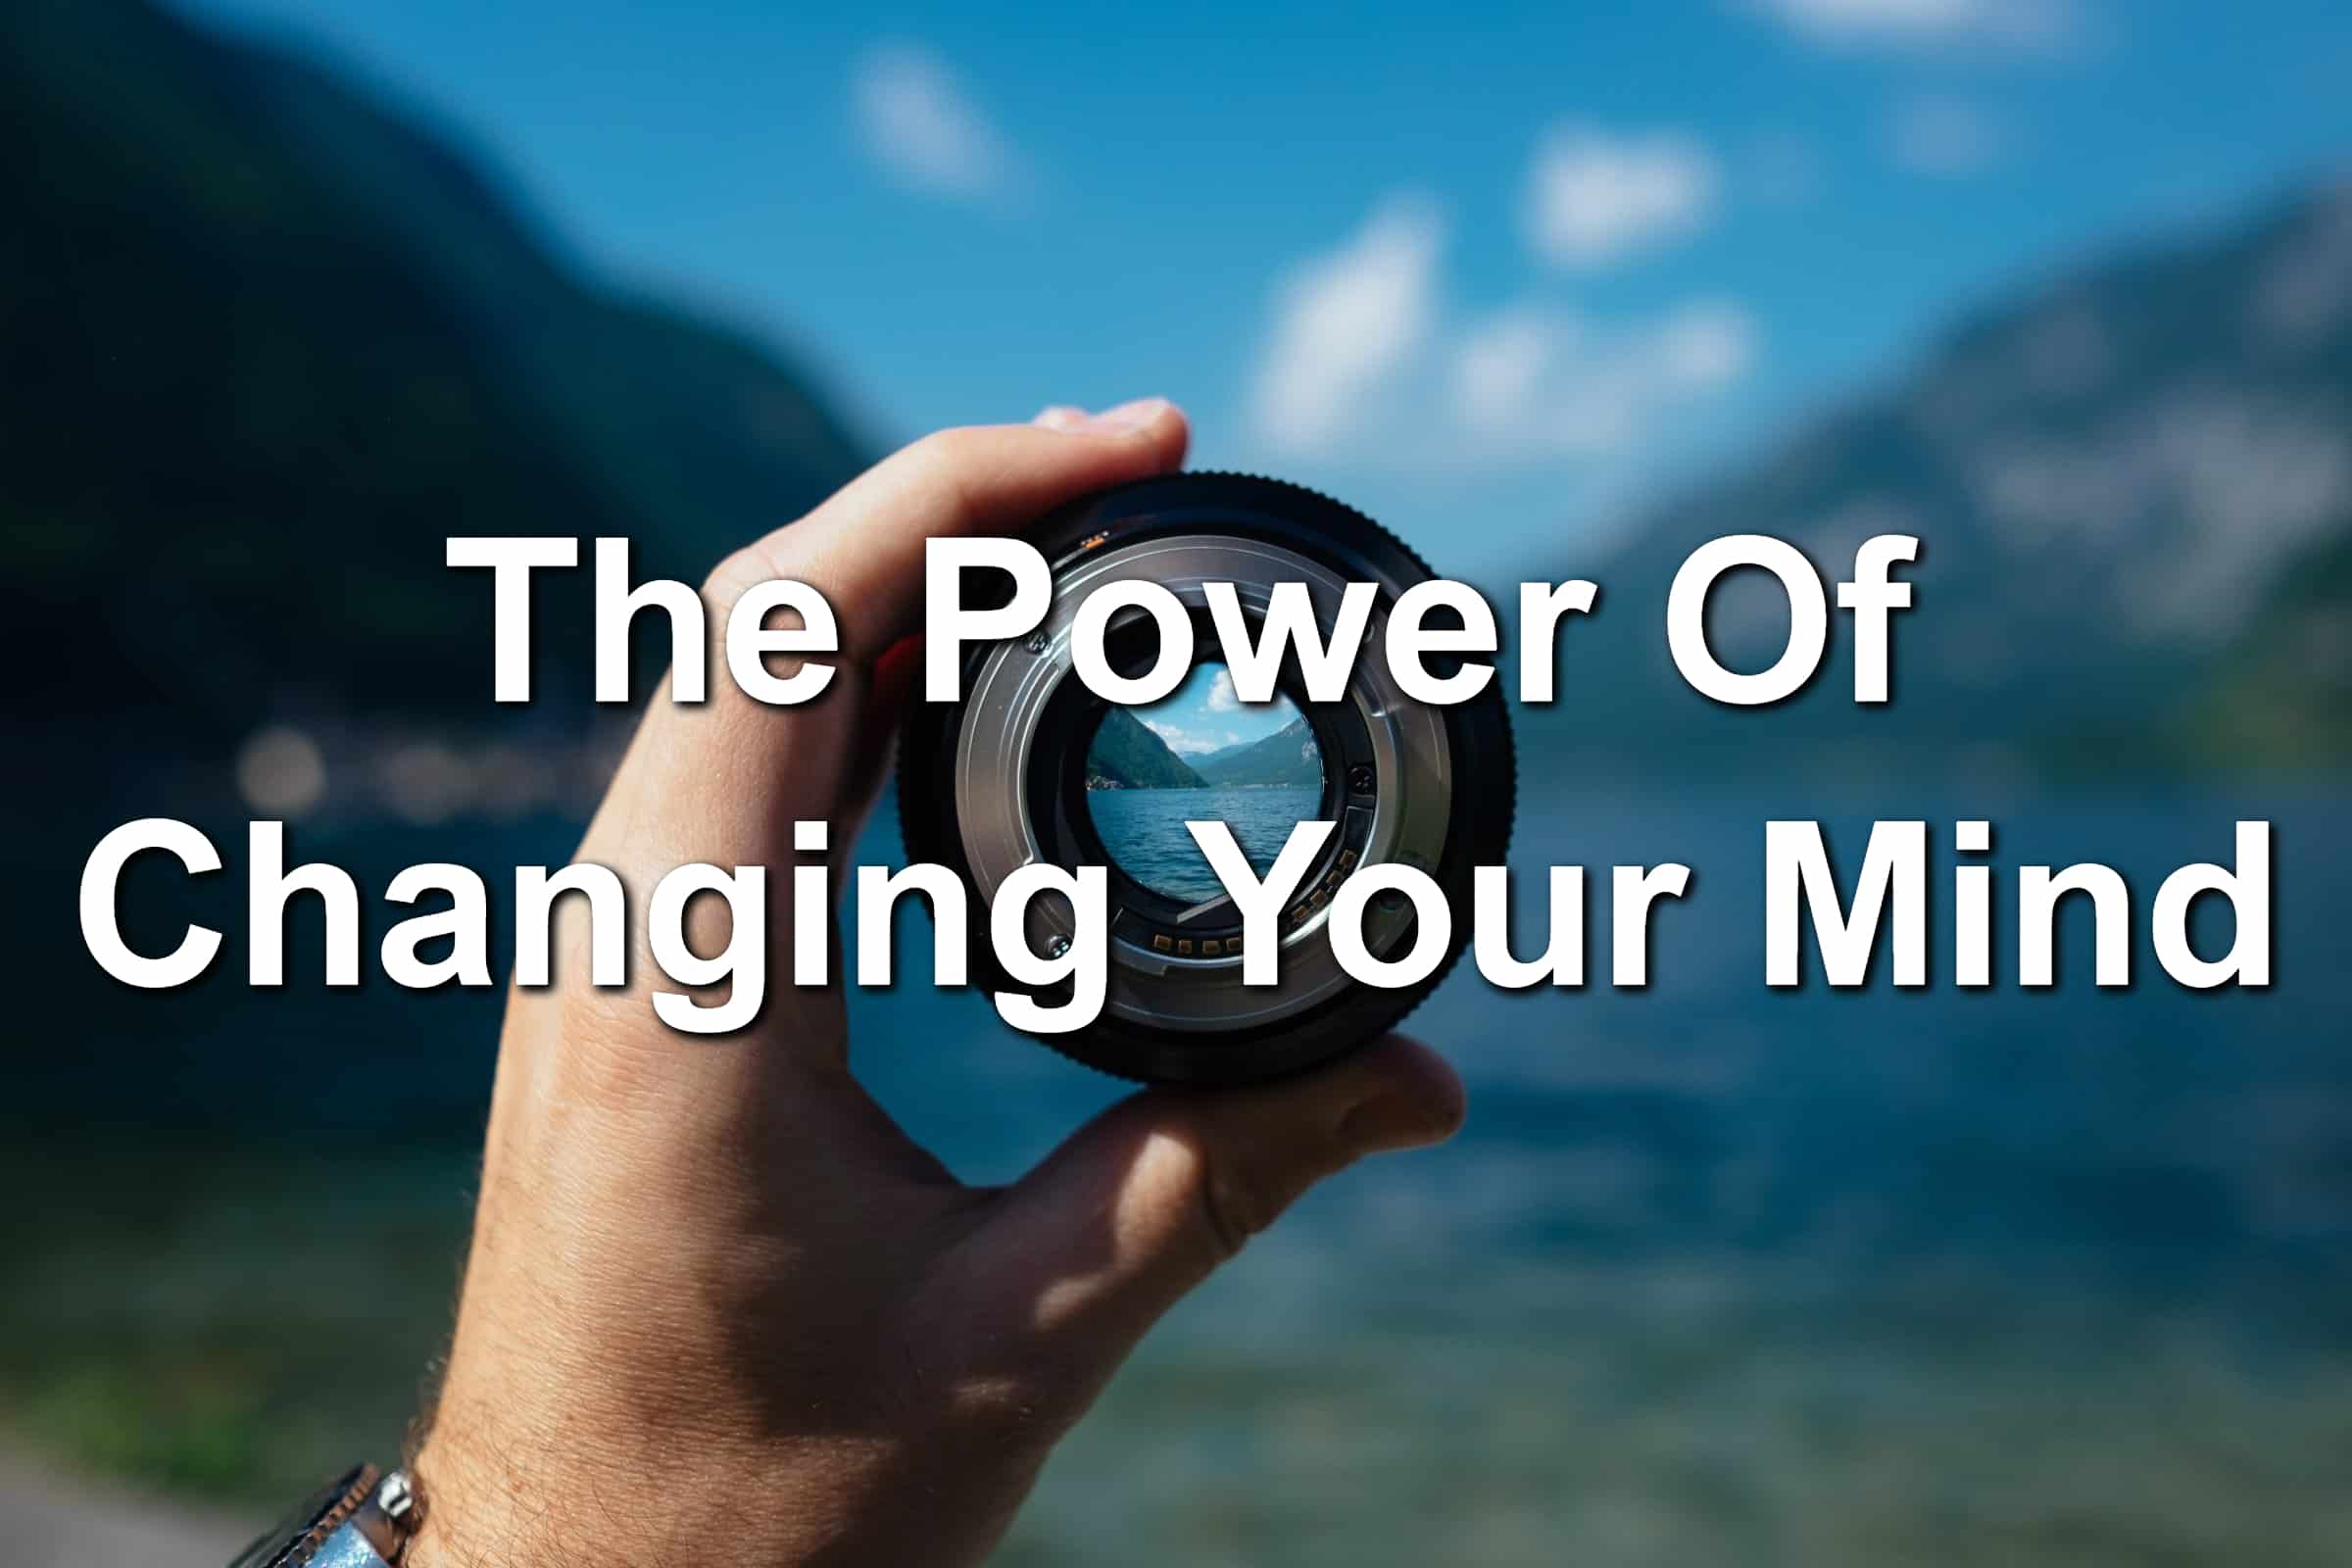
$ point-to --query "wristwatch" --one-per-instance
(363, 1520)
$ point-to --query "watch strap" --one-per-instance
(348, 1547)
(363, 1519)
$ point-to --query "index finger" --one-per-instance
(717, 780)
(863, 548)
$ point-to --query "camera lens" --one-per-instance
(1033, 766)
(1201, 752)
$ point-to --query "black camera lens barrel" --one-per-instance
(998, 780)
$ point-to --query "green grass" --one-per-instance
(231, 1326)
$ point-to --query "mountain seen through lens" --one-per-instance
(1201, 753)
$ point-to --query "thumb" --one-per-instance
(1141, 1204)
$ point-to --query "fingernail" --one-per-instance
(1061, 417)
(1133, 415)
(1397, 1120)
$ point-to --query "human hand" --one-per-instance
(718, 1307)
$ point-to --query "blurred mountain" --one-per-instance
(1125, 754)
(2133, 492)
(263, 344)
(1287, 758)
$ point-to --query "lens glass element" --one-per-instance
(1201, 753)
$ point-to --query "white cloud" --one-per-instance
(2034, 26)
(1593, 198)
(1945, 136)
(1365, 361)
(1499, 363)
(1192, 742)
(918, 123)
(1346, 321)
(1222, 698)
(1532, 382)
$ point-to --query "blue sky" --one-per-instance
(1496, 275)
(1206, 715)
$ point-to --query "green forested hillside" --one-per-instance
(1126, 756)
(263, 344)
(1287, 758)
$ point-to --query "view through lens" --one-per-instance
(1200, 753)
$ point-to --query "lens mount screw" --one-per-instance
(1360, 778)
(1037, 641)
(1058, 948)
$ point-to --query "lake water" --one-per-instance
(1714, 1274)
(1144, 830)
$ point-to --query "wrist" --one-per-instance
(486, 1505)
(468, 1513)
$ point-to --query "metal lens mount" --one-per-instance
(998, 781)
